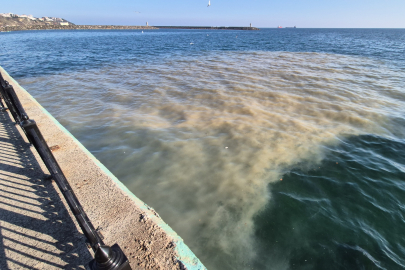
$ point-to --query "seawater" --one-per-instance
(270, 149)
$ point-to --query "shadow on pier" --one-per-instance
(36, 230)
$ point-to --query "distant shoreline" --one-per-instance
(114, 27)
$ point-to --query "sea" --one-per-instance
(271, 149)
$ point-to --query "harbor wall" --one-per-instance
(208, 27)
(121, 217)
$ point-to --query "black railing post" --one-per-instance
(105, 257)
(7, 100)
(13, 103)
(18, 108)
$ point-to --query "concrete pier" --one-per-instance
(38, 231)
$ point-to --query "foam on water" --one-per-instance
(200, 137)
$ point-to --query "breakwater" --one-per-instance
(208, 27)
(74, 27)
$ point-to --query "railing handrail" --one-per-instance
(106, 257)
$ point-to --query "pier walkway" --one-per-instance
(37, 231)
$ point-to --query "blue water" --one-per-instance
(270, 149)
(36, 53)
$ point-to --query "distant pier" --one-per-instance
(208, 27)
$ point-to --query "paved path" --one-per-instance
(36, 229)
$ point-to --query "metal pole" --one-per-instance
(18, 108)
(7, 99)
(13, 103)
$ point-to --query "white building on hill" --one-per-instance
(43, 19)
(9, 15)
(47, 19)
(27, 16)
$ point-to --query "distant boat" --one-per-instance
(279, 26)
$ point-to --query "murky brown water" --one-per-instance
(200, 138)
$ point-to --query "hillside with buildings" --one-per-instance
(14, 22)
(29, 21)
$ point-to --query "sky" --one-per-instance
(261, 13)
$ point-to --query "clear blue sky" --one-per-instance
(261, 13)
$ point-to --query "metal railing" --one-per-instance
(105, 257)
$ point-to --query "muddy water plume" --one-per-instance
(200, 137)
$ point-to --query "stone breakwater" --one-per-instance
(74, 27)
(209, 27)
